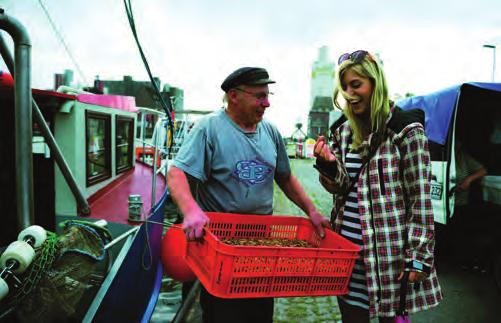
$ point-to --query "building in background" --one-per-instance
(65, 78)
(318, 118)
(176, 96)
(322, 75)
(144, 92)
(322, 85)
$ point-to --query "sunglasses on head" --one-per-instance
(357, 56)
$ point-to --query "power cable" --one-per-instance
(63, 42)
(167, 108)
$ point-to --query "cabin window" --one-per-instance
(124, 143)
(98, 131)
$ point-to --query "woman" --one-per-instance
(378, 169)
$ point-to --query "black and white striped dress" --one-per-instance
(350, 229)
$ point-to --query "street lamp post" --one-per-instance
(493, 47)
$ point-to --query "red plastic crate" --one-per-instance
(257, 271)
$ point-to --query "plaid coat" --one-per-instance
(400, 227)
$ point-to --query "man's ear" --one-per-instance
(232, 95)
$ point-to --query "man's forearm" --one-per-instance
(478, 174)
(179, 189)
(295, 192)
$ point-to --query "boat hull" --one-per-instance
(130, 291)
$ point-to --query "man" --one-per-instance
(231, 158)
(469, 216)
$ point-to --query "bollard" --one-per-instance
(135, 207)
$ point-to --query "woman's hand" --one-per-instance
(414, 276)
(321, 150)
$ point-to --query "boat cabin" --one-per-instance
(96, 135)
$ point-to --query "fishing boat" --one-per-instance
(73, 172)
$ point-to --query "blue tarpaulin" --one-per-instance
(439, 107)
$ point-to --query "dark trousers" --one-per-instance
(355, 314)
(238, 310)
(475, 234)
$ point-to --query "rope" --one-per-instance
(147, 247)
(63, 42)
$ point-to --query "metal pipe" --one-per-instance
(493, 47)
(154, 178)
(121, 237)
(83, 205)
(186, 305)
(143, 119)
(494, 65)
(23, 122)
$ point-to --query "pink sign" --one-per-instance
(126, 103)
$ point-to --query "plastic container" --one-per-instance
(254, 271)
(491, 189)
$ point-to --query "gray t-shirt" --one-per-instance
(465, 166)
(236, 169)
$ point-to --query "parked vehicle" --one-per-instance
(469, 113)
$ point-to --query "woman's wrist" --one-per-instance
(418, 266)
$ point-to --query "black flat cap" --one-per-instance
(246, 76)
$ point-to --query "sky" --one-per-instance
(425, 45)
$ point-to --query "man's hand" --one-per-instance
(319, 222)
(194, 218)
(321, 150)
(193, 224)
(464, 185)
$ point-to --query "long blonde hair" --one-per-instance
(369, 68)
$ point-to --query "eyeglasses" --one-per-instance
(261, 96)
(357, 56)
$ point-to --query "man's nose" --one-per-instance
(265, 102)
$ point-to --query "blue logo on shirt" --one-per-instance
(251, 171)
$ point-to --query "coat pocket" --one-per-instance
(381, 176)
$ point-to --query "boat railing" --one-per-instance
(158, 143)
(184, 127)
